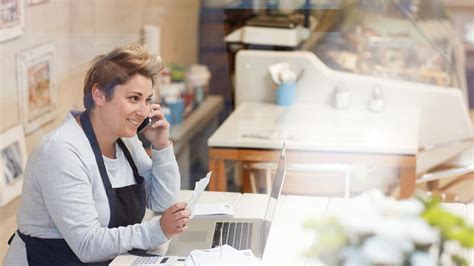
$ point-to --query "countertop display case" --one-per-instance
(397, 39)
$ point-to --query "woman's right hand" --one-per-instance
(174, 219)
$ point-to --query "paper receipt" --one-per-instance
(198, 190)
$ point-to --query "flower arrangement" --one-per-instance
(376, 230)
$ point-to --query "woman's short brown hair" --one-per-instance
(117, 67)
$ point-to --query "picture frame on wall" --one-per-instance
(12, 163)
(12, 19)
(36, 79)
(36, 2)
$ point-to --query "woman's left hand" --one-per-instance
(159, 130)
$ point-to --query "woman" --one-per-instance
(88, 182)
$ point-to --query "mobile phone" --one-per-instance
(144, 125)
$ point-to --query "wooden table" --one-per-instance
(255, 132)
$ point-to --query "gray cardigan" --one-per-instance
(63, 197)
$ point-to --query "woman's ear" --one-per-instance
(98, 95)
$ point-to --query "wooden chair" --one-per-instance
(299, 176)
(455, 175)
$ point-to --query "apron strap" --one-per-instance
(87, 126)
(89, 131)
(11, 239)
(139, 179)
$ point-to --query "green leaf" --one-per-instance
(331, 236)
(464, 235)
(452, 227)
(442, 219)
(319, 223)
(459, 261)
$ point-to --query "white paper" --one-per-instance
(198, 190)
(213, 209)
(281, 73)
(221, 255)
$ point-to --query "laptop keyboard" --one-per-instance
(235, 234)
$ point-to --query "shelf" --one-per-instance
(196, 121)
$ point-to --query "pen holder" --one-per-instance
(285, 94)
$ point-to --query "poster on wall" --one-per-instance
(12, 17)
(37, 87)
(12, 163)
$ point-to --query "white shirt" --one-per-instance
(119, 170)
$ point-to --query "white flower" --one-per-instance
(391, 207)
(354, 257)
(390, 227)
(407, 230)
(371, 195)
(381, 230)
(380, 250)
(396, 231)
(422, 259)
(360, 225)
(452, 247)
(420, 232)
(359, 216)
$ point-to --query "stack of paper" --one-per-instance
(221, 255)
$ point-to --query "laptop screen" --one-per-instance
(277, 185)
(274, 195)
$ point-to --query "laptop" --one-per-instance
(204, 233)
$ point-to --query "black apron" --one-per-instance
(127, 207)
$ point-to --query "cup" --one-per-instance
(285, 94)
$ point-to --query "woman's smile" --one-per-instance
(133, 122)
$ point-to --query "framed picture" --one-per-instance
(36, 78)
(12, 18)
(12, 163)
(35, 2)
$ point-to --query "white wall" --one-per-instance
(81, 30)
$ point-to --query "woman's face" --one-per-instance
(128, 107)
